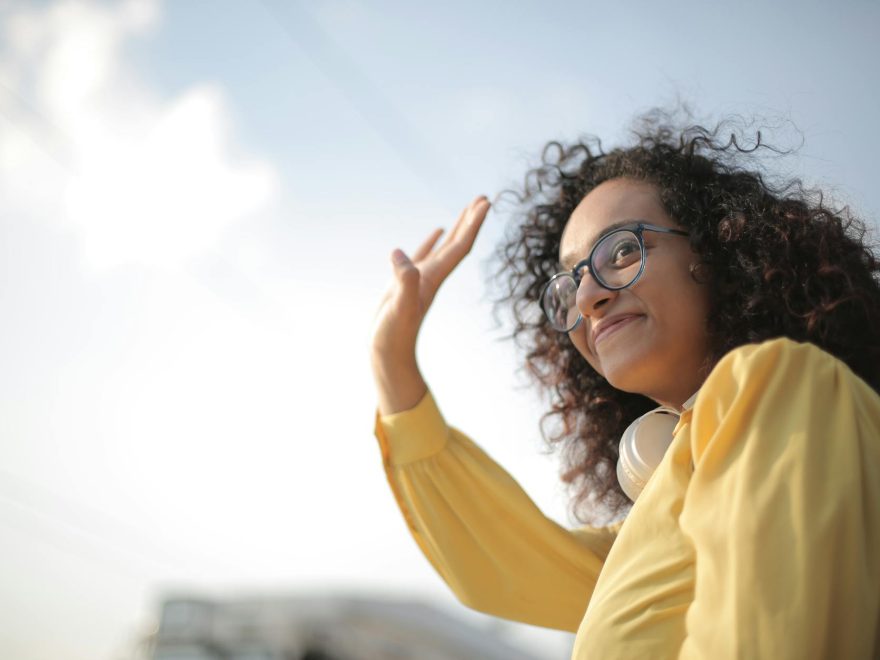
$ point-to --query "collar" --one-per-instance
(687, 405)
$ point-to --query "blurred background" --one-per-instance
(198, 200)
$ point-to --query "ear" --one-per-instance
(700, 272)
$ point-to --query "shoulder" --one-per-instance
(778, 388)
(777, 363)
(774, 354)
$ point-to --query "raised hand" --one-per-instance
(403, 308)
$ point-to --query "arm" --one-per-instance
(481, 532)
(784, 508)
(399, 382)
(478, 528)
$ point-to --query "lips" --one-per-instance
(610, 325)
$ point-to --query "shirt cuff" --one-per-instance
(412, 435)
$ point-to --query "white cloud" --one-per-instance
(141, 178)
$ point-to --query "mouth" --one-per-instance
(615, 326)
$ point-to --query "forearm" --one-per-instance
(480, 530)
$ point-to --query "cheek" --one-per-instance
(674, 295)
(579, 339)
(688, 317)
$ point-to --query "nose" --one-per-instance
(591, 297)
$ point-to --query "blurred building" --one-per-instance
(320, 629)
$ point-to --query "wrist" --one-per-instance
(399, 387)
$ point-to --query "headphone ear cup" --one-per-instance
(642, 447)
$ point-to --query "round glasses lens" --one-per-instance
(617, 259)
(559, 302)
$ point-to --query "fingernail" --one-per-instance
(398, 257)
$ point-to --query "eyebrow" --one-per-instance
(569, 260)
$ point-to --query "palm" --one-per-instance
(416, 283)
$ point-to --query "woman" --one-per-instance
(669, 274)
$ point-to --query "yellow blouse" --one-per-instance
(758, 536)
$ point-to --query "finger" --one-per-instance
(426, 247)
(453, 251)
(467, 232)
(478, 207)
(451, 235)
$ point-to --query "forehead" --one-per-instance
(610, 203)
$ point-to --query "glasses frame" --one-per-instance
(637, 228)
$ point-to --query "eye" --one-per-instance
(624, 252)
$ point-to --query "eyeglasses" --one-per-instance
(616, 262)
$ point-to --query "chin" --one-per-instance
(633, 372)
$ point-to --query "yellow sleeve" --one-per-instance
(481, 532)
(783, 508)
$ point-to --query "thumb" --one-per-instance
(407, 276)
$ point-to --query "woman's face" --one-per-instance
(650, 338)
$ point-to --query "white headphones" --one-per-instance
(643, 445)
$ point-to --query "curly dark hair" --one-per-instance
(777, 259)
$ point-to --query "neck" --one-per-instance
(680, 402)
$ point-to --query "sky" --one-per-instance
(198, 201)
